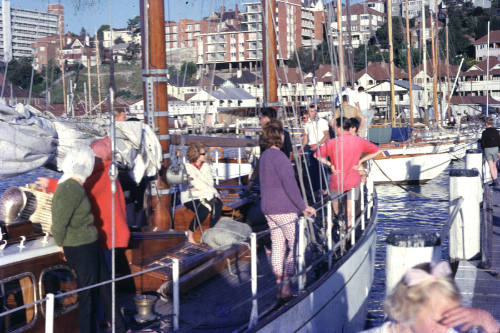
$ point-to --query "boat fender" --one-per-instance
(213, 149)
(12, 204)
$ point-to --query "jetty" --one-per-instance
(479, 280)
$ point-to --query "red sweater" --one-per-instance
(98, 188)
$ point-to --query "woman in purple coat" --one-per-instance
(281, 203)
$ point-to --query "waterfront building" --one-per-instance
(481, 45)
(364, 22)
(22, 27)
(242, 45)
(376, 73)
(476, 82)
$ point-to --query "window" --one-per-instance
(15, 292)
(382, 98)
(56, 280)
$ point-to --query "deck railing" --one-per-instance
(324, 209)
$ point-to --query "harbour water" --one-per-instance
(397, 210)
(400, 210)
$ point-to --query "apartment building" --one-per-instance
(296, 26)
(22, 27)
(364, 22)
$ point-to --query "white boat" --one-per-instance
(409, 168)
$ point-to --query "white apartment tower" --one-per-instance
(22, 27)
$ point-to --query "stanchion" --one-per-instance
(465, 228)
(407, 249)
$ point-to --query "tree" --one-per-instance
(19, 73)
(100, 31)
(83, 31)
(172, 72)
(134, 23)
(133, 50)
(188, 69)
(119, 40)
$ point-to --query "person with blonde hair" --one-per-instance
(201, 196)
(427, 300)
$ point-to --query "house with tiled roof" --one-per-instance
(381, 93)
(78, 50)
(476, 82)
(481, 45)
(375, 73)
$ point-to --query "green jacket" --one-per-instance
(72, 220)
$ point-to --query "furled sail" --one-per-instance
(26, 141)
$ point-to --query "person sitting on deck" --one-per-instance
(201, 197)
(490, 142)
(120, 115)
(344, 159)
(427, 300)
(281, 201)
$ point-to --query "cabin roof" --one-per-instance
(473, 100)
(246, 77)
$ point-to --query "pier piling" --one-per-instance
(407, 249)
(465, 228)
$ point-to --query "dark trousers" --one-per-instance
(88, 262)
(198, 208)
(317, 180)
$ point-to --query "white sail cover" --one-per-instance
(26, 141)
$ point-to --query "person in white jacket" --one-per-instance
(201, 196)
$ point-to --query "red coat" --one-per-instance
(98, 188)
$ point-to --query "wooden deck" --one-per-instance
(480, 288)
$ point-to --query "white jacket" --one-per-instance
(201, 183)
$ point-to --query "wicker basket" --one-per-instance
(38, 208)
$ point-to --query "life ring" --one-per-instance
(221, 151)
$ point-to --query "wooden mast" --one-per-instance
(391, 62)
(424, 60)
(154, 64)
(89, 84)
(98, 67)
(61, 59)
(434, 69)
(269, 63)
(447, 71)
(339, 41)
(408, 59)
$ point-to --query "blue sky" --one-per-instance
(94, 13)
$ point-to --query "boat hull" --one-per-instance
(409, 168)
(338, 301)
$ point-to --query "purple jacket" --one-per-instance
(278, 187)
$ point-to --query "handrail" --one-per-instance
(458, 207)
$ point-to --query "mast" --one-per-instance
(339, 41)
(408, 59)
(434, 69)
(98, 68)
(488, 72)
(154, 64)
(61, 59)
(269, 63)
(424, 59)
(391, 61)
(447, 71)
(89, 80)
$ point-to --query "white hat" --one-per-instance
(78, 163)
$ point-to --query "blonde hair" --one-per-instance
(194, 151)
(403, 305)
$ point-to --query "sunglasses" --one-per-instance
(203, 153)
